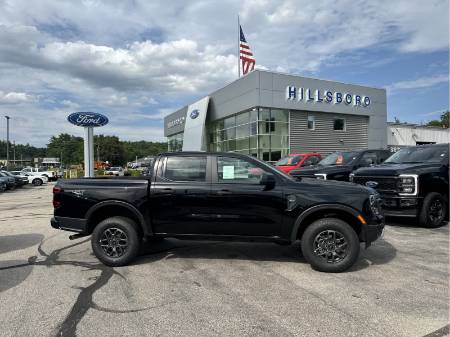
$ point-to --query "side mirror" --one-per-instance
(268, 180)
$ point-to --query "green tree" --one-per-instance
(110, 149)
(67, 147)
(443, 122)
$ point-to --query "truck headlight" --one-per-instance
(322, 176)
(408, 184)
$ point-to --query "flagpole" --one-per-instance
(238, 48)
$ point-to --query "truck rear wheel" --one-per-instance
(434, 210)
(330, 245)
(115, 241)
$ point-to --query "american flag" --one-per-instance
(245, 54)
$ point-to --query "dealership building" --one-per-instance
(268, 115)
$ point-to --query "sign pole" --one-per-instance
(89, 151)
(88, 120)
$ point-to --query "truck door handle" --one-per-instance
(224, 192)
(168, 191)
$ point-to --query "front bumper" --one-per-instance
(372, 230)
(402, 206)
(69, 224)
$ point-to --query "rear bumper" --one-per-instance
(372, 230)
(69, 224)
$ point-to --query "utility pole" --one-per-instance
(7, 141)
(14, 153)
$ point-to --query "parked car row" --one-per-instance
(51, 174)
(10, 180)
(413, 182)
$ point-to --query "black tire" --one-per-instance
(117, 225)
(37, 182)
(318, 238)
(434, 210)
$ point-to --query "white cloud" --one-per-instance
(144, 59)
(16, 97)
(179, 65)
(423, 82)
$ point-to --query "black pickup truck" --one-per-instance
(339, 165)
(219, 196)
(413, 182)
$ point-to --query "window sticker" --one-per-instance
(228, 172)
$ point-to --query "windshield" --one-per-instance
(114, 169)
(411, 155)
(289, 161)
(339, 158)
(8, 174)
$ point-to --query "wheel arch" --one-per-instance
(307, 217)
(111, 208)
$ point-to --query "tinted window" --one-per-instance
(339, 124)
(179, 168)
(311, 123)
(237, 171)
(368, 158)
(339, 158)
(311, 161)
(289, 161)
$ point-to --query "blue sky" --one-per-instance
(137, 61)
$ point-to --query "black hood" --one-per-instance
(311, 170)
(396, 169)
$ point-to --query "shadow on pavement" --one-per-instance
(380, 252)
(407, 222)
(10, 278)
(9, 243)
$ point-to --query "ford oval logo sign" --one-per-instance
(87, 119)
(371, 184)
(194, 113)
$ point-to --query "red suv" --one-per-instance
(297, 160)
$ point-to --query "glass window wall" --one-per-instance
(260, 132)
(175, 142)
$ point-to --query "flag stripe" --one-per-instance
(245, 54)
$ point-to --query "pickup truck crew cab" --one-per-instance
(219, 196)
(339, 165)
(413, 182)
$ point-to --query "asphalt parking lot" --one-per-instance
(51, 286)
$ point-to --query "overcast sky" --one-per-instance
(135, 61)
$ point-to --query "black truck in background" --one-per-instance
(339, 165)
(413, 182)
(219, 196)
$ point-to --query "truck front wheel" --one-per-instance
(434, 210)
(115, 241)
(330, 245)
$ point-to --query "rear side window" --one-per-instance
(180, 168)
(311, 161)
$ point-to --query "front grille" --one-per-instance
(385, 184)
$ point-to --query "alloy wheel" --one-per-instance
(331, 245)
(436, 211)
(114, 242)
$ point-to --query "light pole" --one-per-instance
(7, 141)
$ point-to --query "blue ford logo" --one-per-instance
(194, 113)
(87, 119)
(371, 184)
